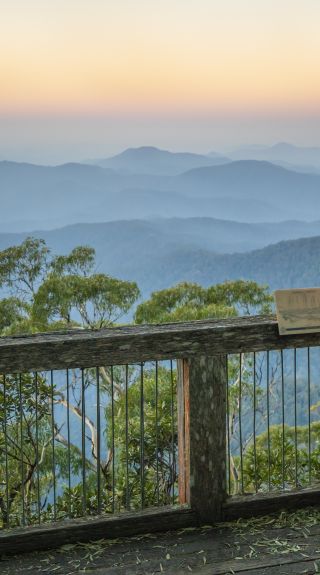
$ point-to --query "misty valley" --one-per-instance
(149, 237)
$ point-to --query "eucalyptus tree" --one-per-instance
(264, 451)
(41, 292)
(41, 464)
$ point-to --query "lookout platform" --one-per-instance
(283, 543)
(181, 429)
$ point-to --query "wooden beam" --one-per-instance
(265, 503)
(206, 424)
(53, 535)
(82, 348)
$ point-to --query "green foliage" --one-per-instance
(99, 300)
(51, 292)
(46, 292)
(12, 313)
(160, 440)
(23, 267)
(80, 261)
(149, 467)
(190, 301)
(25, 435)
(283, 458)
(246, 297)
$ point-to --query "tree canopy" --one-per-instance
(46, 291)
(136, 406)
(190, 301)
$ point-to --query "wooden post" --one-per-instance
(202, 386)
(183, 405)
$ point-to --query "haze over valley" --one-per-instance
(159, 164)
(243, 190)
(159, 217)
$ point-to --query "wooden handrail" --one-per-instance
(135, 344)
(201, 348)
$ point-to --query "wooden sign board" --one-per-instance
(298, 310)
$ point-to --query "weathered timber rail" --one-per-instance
(201, 349)
(70, 349)
(54, 535)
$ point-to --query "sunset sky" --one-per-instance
(82, 78)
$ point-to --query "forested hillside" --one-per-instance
(48, 291)
(158, 254)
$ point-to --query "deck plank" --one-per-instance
(202, 551)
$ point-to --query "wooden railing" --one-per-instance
(201, 349)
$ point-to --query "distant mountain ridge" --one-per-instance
(151, 160)
(244, 190)
(303, 157)
(287, 264)
(159, 253)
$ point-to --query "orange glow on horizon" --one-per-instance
(177, 59)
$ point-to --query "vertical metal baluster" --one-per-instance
(22, 454)
(113, 443)
(142, 436)
(240, 422)
(283, 439)
(172, 433)
(295, 418)
(53, 448)
(37, 447)
(6, 448)
(127, 439)
(228, 428)
(83, 444)
(98, 443)
(254, 424)
(309, 417)
(268, 420)
(169, 468)
(157, 432)
(69, 448)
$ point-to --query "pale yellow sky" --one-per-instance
(86, 77)
(176, 56)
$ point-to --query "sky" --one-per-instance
(87, 78)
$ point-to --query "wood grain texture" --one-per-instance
(82, 348)
(207, 389)
(202, 551)
(282, 565)
(198, 550)
(183, 405)
(265, 503)
(82, 530)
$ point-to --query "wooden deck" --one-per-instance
(286, 543)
